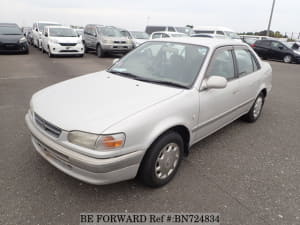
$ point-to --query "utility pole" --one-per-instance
(270, 20)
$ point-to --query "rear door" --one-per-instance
(263, 48)
(248, 71)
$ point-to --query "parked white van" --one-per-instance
(37, 30)
(219, 32)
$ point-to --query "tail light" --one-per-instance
(253, 45)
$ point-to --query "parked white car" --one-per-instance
(142, 115)
(37, 30)
(218, 32)
(166, 34)
(59, 40)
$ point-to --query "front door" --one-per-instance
(218, 106)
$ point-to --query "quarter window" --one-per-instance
(244, 62)
(222, 65)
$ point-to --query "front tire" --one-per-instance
(162, 160)
(287, 59)
(256, 109)
(99, 51)
(49, 53)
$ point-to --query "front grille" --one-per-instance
(68, 51)
(47, 127)
(68, 44)
(120, 42)
(9, 46)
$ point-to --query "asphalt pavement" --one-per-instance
(249, 173)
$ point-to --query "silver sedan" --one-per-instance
(140, 116)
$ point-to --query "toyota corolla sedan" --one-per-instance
(140, 117)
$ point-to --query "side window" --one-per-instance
(222, 65)
(244, 62)
(277, 45)
(255, 63)
(220, 32)
(154, 36)
(165, 35)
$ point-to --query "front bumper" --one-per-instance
(58, 49)
(13, 47)
(121, 48)
(83, 167)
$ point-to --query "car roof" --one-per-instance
(59, 27)
(47, 22)
(166, 32)
(212, 28)
(208, 42)
(8, 24)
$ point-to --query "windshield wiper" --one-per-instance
(126, 74)
(169, 83)
(135, 77)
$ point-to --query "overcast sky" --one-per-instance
(240, 15)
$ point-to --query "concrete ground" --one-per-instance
(249, 173)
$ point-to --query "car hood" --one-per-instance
(94, 102)
(66, 39)
(10, 38)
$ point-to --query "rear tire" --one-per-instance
(256, 109)
(162, 160)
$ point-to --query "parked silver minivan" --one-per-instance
(105, 39)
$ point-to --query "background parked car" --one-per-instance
(37, 30)
(12, 39)
(137, 37)
(221, 32)
(165, 34)
(59, 40)
(105, 39)
(150, 29)
(272, 49)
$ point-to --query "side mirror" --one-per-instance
(115, 61)
(214, 82)
(46, 34)
(280, 47)
(36, 30)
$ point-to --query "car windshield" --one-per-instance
(232, 35)
(178, 35)
(42, 25)
(185, 30)
(167, 63)
(110, 32)
(62, 32)
(140, 35)
(292, 45)
(10, 30)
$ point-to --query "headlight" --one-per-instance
(22, 40)
(297, 52)
(97, 142)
